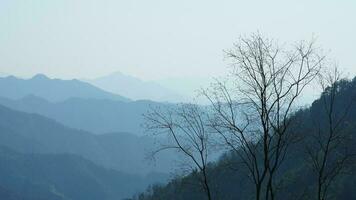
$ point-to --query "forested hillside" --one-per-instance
(230, 179)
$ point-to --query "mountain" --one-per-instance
(61, 177)
(2, 74)
(53, 90)
(136, 89)
(93, 115)
(32, 133)
(230, 180)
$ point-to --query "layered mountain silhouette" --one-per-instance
(67, 139)
(53, 90)
(94, 115)
(32, 133)
(136, 89)
(62, 177)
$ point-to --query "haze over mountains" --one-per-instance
(136, 89)
(74, 103)
(53, 90)
(61, 177)
(95, 115)
(57, 131)
(177, 100)
(70, 140)
(32, 133)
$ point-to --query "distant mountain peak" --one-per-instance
(40, 77)
(117, 75)
(11, 77)
(135, 88)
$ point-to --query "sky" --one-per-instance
(160, 39)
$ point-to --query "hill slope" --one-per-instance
(32, 133)
(93, 115)
(296, 180)
(62, 177)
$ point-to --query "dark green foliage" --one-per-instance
(295, 179)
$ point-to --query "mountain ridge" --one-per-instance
(29, 132)
(94, 115)
(62, 177)
(135, 88)
(53, 90)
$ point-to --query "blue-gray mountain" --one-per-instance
(32, 133)
(136, 89)
(48, 149)
(94, 115)
(61, 177)
(53, 90)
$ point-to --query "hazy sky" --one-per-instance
(157, 39)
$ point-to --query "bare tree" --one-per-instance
(253, 113)
(327, 152)
(186, 126)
